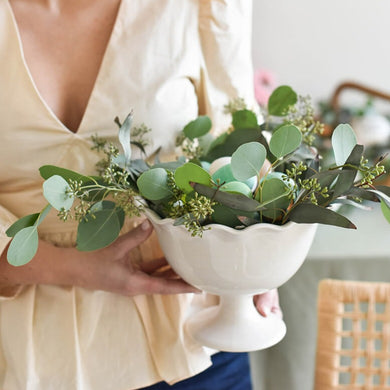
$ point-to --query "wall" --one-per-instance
(314, 45)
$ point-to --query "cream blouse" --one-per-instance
(168, 61)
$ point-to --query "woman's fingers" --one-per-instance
(133, 238)
(268, 302)
(148, 285)
(151, 266)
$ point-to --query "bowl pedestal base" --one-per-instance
(235, 325)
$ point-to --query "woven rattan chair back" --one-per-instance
(353, 343)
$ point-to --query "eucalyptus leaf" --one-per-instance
(310, 213)
(26, 221)
(153, 184)
(124, 138)
(23, 246)
(98, 230)
(191, 172)
(346, 181)
(198, 127)
(285, 140)
(55, 190)
(225, 216)
(247, 160)
(244, 119)
(343, 142)
(383, 196)
(281, 99)
(108, 205)
(235, 201)
(363, 193)
(228, 143)
(385, 210)
(48, 171)
(273, 192)
(205, 142)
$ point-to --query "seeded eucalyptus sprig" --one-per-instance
(253, 173)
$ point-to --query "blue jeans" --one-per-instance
(230, 371)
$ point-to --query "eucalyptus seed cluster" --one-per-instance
(193, 210)
(81, 208)
(127, 201)
(314, 189)
(199, 208)
(369, 173)
(189, 147)
(234, 105)
(139, 135)
(302, 115)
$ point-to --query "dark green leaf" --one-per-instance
(28, 220)
(235, 201)
(346, 181)
(244, 119)
(363, 194)
(225, 216)
(281, 99)
(98, 230)
(231, 142)
(310, 213)
(48, 171)
(198, 127)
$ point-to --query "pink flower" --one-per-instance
(265, 83)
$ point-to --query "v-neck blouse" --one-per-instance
(168, 61)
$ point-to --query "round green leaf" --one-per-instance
(198, 127)
(285, 140)
(153, 184)
(98, 230)
(343, 142)
(281, 99)
(108, 205)
(23, 247)
(274, 194)
(247, 160)
(55, 191)
(191, 172)
(244, 119)
(236, 187)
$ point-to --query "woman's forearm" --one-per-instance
(51, 265)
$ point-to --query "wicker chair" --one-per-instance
(353, 344)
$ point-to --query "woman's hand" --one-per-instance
(113, 269)
(268, 303)
(110, 269)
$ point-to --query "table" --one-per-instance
(362, 254)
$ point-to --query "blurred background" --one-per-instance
(314, 46)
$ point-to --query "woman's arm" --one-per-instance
(110, 269)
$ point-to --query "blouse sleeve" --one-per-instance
(225, 29)
(6, 220)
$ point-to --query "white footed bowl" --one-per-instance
(235, 264)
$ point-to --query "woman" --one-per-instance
(72, 320)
